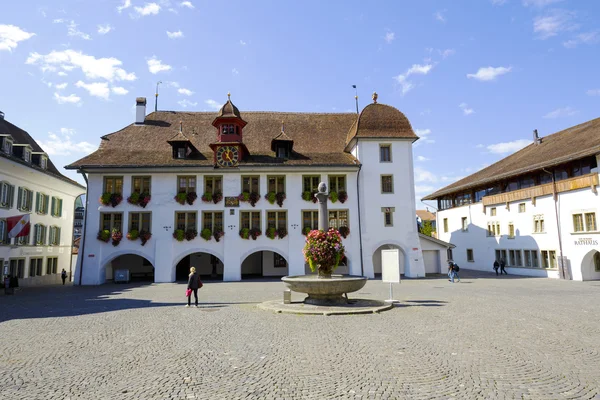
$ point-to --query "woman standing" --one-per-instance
(193, 283)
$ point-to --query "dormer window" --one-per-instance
(27, 155)
(44, 162)
(8, 145)
(181, 152)
(282, 152)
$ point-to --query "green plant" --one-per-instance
(333, 196)
(342, 196)
(306, 196)
(244, 233)
(116, 236)
(133, 234)
(181, 197)
(105, 199)
(271, 196)
(244, 196)
(179, 235)
(206, 234)
(134, 198)
(145, 236)
(271, 233)
(104, 235)
(306, 230)
(426, 228)
(207, 197)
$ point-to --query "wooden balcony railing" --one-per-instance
(566, 185)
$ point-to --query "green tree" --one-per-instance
(427, 228)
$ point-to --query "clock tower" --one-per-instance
(229, 148)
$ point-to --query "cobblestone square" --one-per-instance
(486, 337)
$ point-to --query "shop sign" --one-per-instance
(586, 242)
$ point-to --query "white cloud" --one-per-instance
(187, 4)
(242, 42)
(171, 84)
(234, 71)
(121, 91)
(421, 158)
(185, 91)
(148, 9)
(593, 92)
(424, 137)
(439, 15)
(62, 73)
(582, 38)
(553, 23)
(489, 73)
(104, 29)
(11, 35)
(498, 2)
(62, 145)
(186, 103)
(96, 89)
(92, 67)
(73, 99)
(155, 65)
(61, 86)
(175, 35)
(446, 53)
(480, 146)
(539, 3)
(466, 109)
(414, 69)
(389, 37)
(422, 175)
(424, 189)
(126, 4)
(508, 147)
(213, 104)
(561, 112)
(74, 32)
(422, 132)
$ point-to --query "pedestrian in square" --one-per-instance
(63, 275)
(496, 266)
(193, 285)
(502, 265)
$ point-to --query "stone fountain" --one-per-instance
(324, 291)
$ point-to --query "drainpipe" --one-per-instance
(362, 267)
(555, 196)
(82, 247)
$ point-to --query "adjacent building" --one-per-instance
(536, 209)
(31, 184)
(231, 193)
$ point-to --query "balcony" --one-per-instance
(566, 185)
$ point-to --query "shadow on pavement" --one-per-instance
(66, 301)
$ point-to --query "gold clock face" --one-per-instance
(227, 156)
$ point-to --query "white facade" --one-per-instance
(532, 239)
(18, 258)
(235, 255)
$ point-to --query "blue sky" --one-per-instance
(473, 77)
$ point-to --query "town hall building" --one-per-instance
(232, 194)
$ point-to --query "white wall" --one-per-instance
(583, 200)
(19, 175)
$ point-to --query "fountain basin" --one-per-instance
(327, 291)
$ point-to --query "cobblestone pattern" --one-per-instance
(482, 338)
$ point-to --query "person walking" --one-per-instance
(63, 275)
(502, 265)
(193, 285)
(455, 269)
(496, 266)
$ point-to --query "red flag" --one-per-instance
(18, 226)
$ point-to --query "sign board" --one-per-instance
(586, 242)
(232, 202)
(390, 266)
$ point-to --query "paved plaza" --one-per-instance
(482, 338)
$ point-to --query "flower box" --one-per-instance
(183, 197)
(251, 197)
(112, 199)
(139, 199)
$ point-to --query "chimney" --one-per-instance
(140, 110)
(536, 138)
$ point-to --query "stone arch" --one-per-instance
(589, 264)
(376, 255)
(107, 268)
(197, 251)
(265, 266)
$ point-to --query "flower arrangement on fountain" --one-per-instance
(113, 199)
(139, 199)
(278, 197)
(323, 251)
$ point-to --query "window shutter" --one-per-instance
(60, 207)
(38, 207)
(36, 229)
(51, 235)
(30, 200)
(57, 236)
(20, 198)
(11, 195)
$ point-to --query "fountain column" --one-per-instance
(322, 195)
